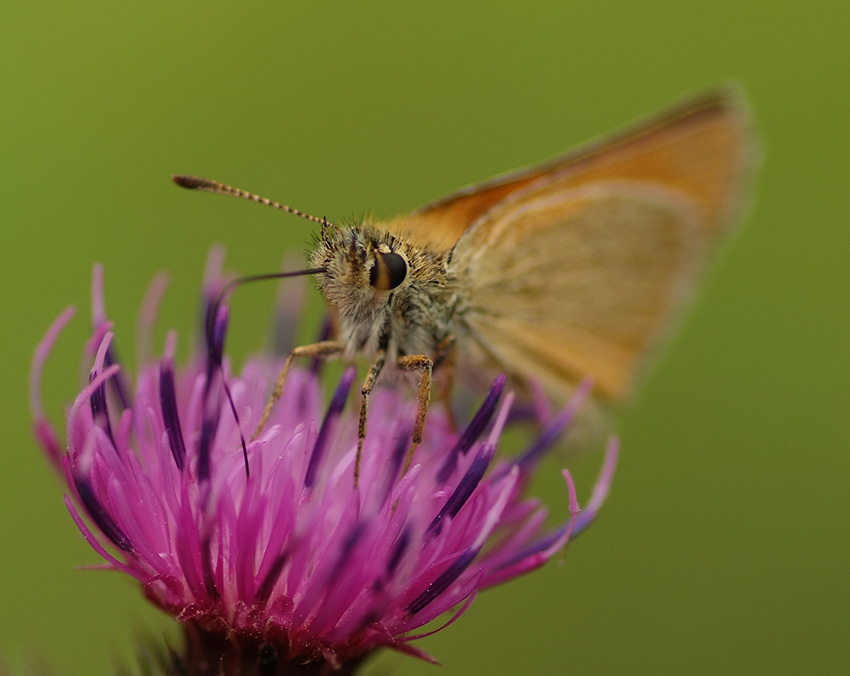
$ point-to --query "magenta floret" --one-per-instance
(272, 541)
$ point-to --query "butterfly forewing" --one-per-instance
(577, 268)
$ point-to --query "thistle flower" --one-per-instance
(267, 552)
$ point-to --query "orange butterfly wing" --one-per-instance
(577, 268)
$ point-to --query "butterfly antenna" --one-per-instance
(239, 281)
(207, 185)
(209, 328)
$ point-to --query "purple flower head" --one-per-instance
(269, 545)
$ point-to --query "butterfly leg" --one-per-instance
(425, 366)
(368, 385)
(322, 350)
(446, 358)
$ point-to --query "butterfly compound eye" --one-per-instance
(388, 271)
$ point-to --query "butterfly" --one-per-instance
(570, 270)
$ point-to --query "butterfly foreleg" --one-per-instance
(366, 390)
(425, 365)
(321, 350)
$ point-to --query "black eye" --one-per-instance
(388, 271)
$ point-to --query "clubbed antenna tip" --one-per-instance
(192, 182)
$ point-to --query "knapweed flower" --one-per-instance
(267, 551)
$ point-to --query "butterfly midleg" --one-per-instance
(446, 359)
(322, 350)
(425, 365)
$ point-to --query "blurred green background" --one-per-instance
(723, 548)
